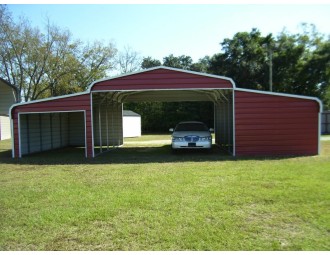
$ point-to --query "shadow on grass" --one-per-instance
(124, 155)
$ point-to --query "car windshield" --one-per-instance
(191, 127)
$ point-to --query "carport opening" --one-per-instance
(158, 117)
(48, 131)
(108, 108)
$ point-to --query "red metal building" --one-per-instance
(247, 122)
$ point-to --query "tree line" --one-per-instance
(298, 63)
(50, 62)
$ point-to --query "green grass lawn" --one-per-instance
(145, 198)
(149, 137)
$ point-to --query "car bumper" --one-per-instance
(197, 145)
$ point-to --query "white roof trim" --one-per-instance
(147, 90)
(282, 95)
(167, 68)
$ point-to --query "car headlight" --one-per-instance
(206, 138)
(177, 139)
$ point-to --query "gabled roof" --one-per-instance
(120, 85)
(130, 113)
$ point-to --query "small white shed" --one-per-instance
(325, 122)
(8, 97)
(131, 124)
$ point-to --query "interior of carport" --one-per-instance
(108, 106)
(51, 130)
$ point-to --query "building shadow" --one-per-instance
(125, 155)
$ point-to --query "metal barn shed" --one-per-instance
(246, 122)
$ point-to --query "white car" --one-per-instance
(191, 135)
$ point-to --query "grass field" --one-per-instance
(144, 198)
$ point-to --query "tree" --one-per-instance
(148, 62)
(300, 62)
(182, 62)
(128, 60)
(243, 59)
(50, 63)
(202, 65)
(315, 74)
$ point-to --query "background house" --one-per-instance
(131, 124)
(8, 96)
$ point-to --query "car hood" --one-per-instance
(188, 133)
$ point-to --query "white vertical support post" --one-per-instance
(214, 122)
(228, 125)
(118, 111)
(122, 123)
(234, 134)
(107, 123)
(100, 129)
(92, 126)
(223, 122)
(12, 136)
(224, 131)
(19, 136)
(112, 130)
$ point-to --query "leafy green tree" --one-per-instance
(202, 65)
(182, 62)
(243, 59)
(320, 64)
(300, 62)
(50, 63)
(149, 62)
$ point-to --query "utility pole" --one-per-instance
(270, 56)
(268, 45)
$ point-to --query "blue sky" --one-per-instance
(159, 30)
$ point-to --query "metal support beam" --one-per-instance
(100, 130)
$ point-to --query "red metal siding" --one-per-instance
(162, 79)
(275, 125)
(72, 103)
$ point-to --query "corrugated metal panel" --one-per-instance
(76, 127)
(223, 119)
(43, 131)
(275, 125)
(161, 79)
(108, 129)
